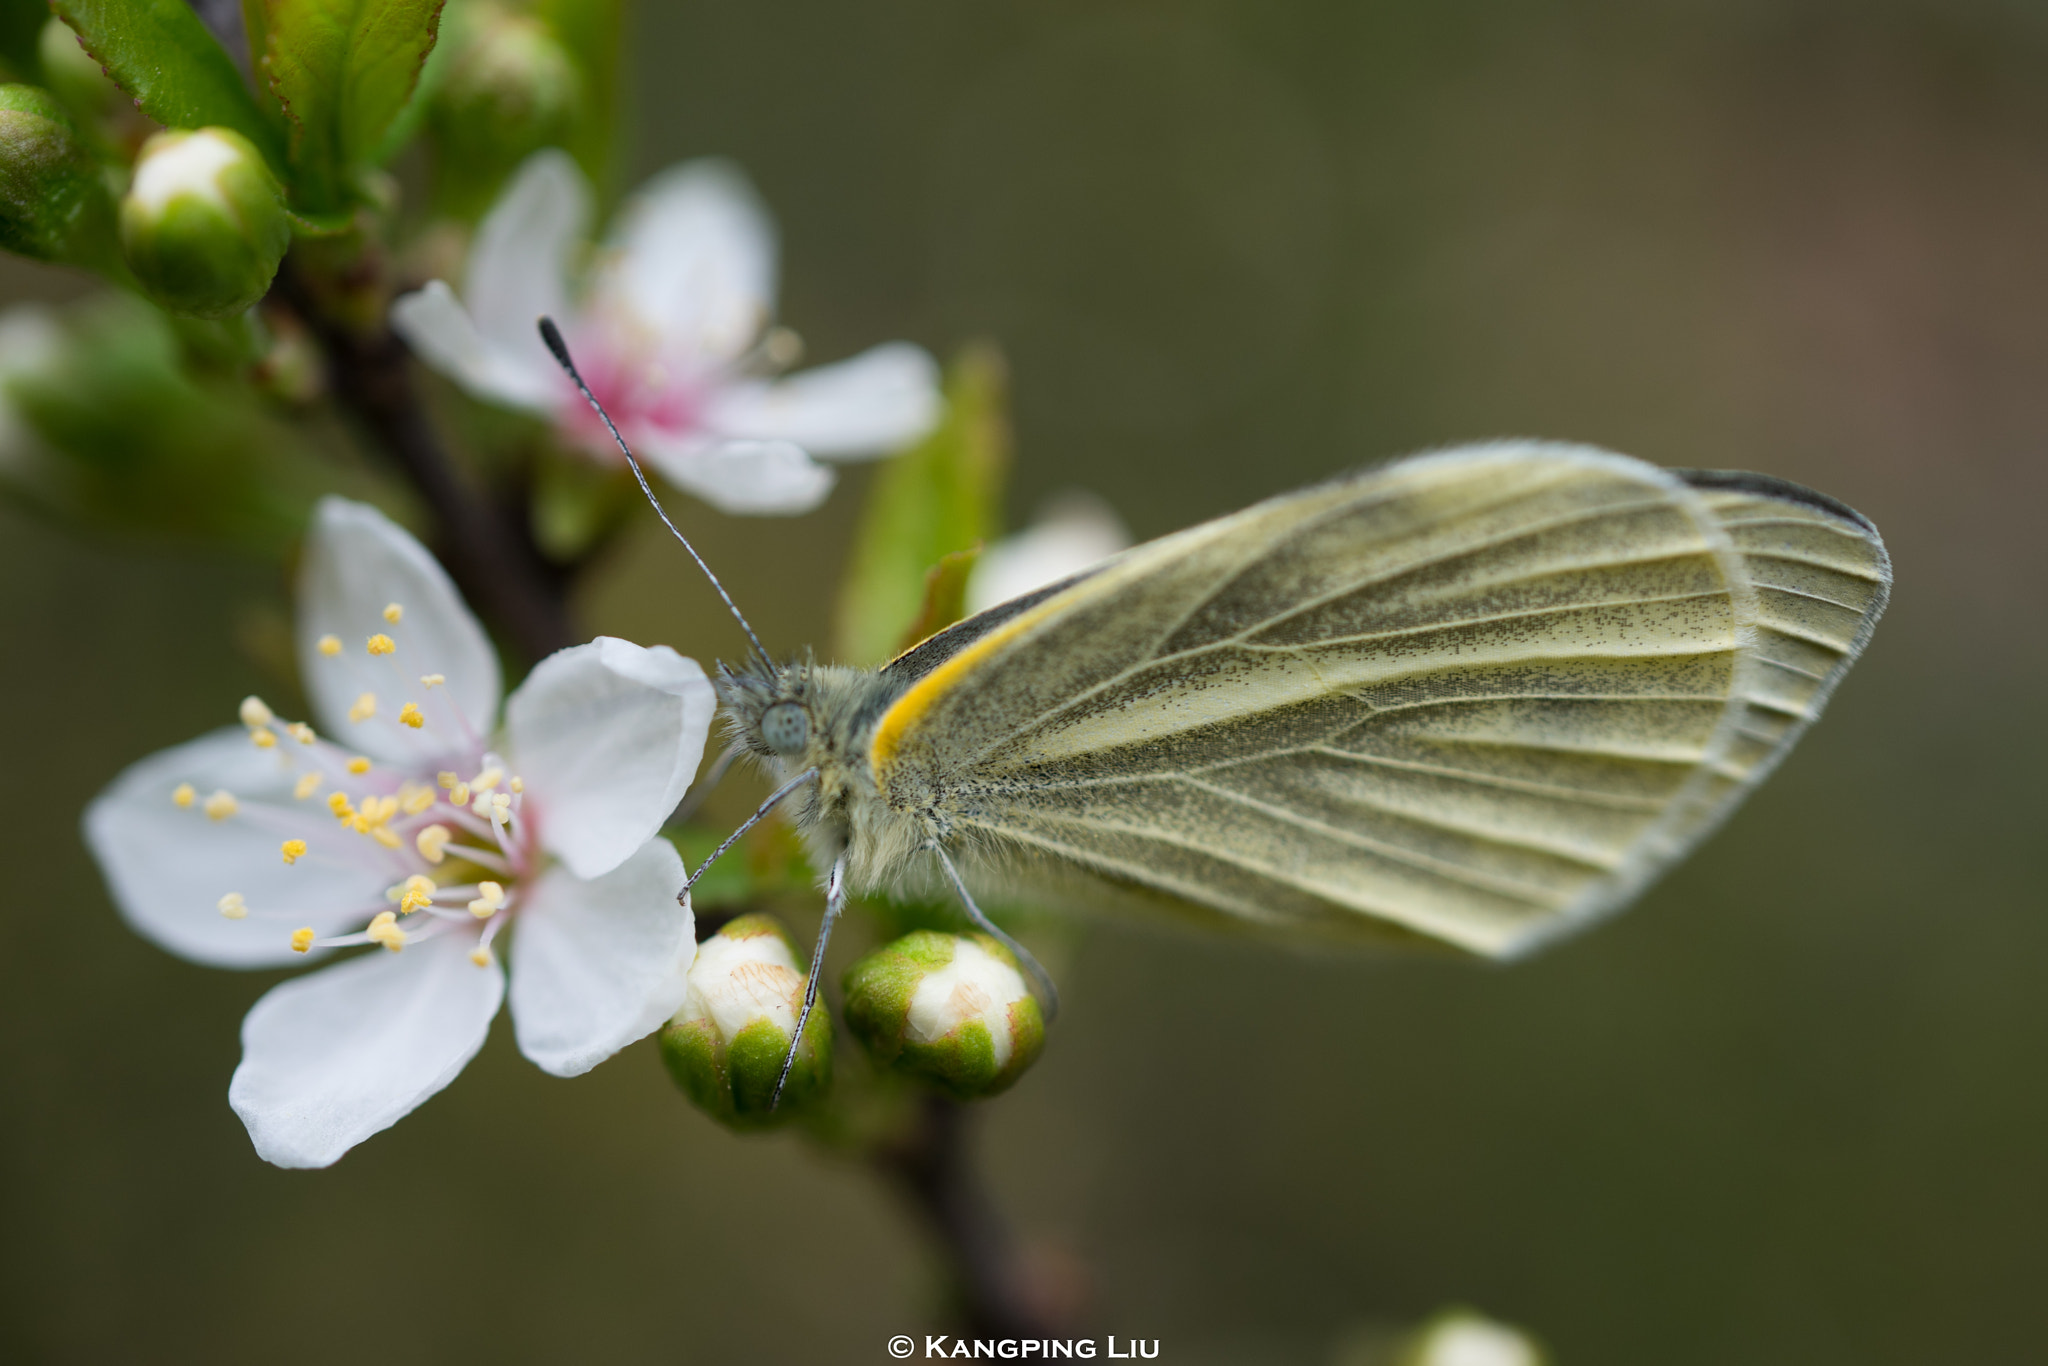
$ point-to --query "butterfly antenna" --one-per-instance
(552, 335)
(835, 902)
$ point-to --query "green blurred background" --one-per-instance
(1789, 1109)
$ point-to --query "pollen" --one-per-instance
(359, 765)
(384, 930)
(501, 807)
(330, 646)
(432, 843)
(294, 850)
(339, 804)
(416, 894)
(413, 798)
(393, 613)
(488, 779)
(460, 796)
(233, 907)
(301, 732)
(517, 784)
(365, 707)
(302, 938)
(409, 715)
(182, 796)
(221, 805)
(263, 739)
(381, 644)
(480, 956)
(255, 714)
(446, 779)
(308, 784)
(432, 680)
(490, 898)
(387, 837)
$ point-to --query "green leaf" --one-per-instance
(344, 71)
(941, 497)
(593, 31)
(162, 56)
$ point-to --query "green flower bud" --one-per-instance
(510, 89)
(1458, 1337)
(952, 1009)
(726, 1045)
(204, 223)
(54, 204)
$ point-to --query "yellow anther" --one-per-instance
(480, 956)
(309, 783)
(359, 765)
(393, 613)
(359, 823)
(384, 930)
(302, 939)
(488, 779)
(517, 784)
(339, 804)
(409, 715)
(501, 807)
(330, 646)
(221, 805)
(380, 809)
(381, 644)
(386, 836)
(490, 896)
(301, 732)
(432, 680)
(294, 850)
(432, 843)
(417, 894)
(364, 708)
(413, 798)
(233, 907)
(255, 714)
(446, 779)
(460, 796)
(263, 739)
(182, 796)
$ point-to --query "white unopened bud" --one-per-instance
(952, 1009)
(726, 1045)
(1459, 1337)
(204, 223)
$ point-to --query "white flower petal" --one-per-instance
(443, 335)
(358, 561)
(337, 1055)
(599, 964)
(879, 401)
(168, 867)
(1077, 531)
(605, 738)
(694, 262)
(519, 264)
(744, 478)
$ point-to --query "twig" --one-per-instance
(488, 548)
(930, 1165)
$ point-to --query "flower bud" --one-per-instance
(1459, 1337)
(54, 205)
(511, 88)
(952, 1009)
(204, 223)
(726, 1045)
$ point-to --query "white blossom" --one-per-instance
(407, 820)
(674, 334)
(1075, 531)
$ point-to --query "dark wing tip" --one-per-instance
(1770, 486)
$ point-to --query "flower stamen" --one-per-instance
(381, 644)
(330, 646)
(221, 805)
(365, 707)
(393, 613)
(233, 906)
(182, 796)
(293, 851)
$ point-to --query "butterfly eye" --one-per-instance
(786, 728)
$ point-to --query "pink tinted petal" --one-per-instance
(879, 401)
(745, 478)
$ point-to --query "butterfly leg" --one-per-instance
(748, 824)
(1048, 994)
(835, 902)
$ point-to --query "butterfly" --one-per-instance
(1480, 697)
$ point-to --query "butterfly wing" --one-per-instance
(1483, 696)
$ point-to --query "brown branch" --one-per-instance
(931, 1166)
(487, 546)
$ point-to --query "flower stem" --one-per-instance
(487, 546)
